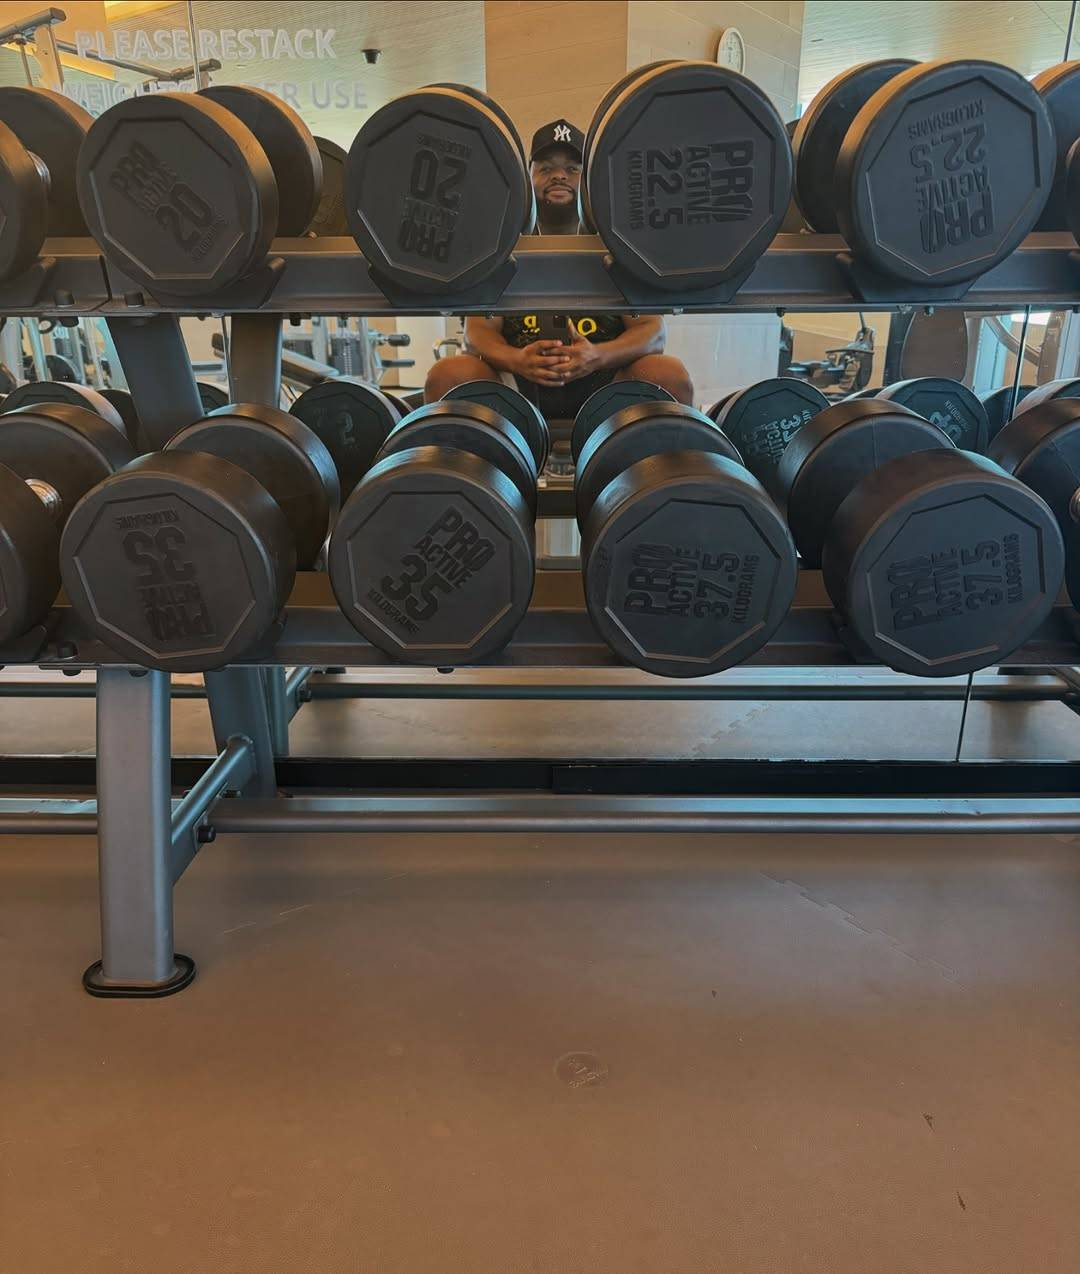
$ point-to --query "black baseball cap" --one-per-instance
(560, 132)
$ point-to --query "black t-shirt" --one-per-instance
(520, 330)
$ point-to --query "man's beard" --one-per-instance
(558, 214)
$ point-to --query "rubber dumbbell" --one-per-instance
(945, 402)
(63, 391)
(1041, 447)
(352, 418)
(40, 136)
(1001, 405)
(184, 192)
(606, 401)
(436, 191)
(512, 405)
(211, 396)
(687, 565)
(937, 205)
(1046, 392)
(185, 558)
(762, 419)
(938, 561)
(51, 454)
(433, 558)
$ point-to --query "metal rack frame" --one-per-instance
(152, 815)
(329, 277)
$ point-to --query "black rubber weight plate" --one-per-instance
(514, 406)
(689, 175)
(433, 191)
(606, 401)
(945, 403)
(289, 147)
(944, 171)
(329, 218)
(943, 564)
(819, 135)
(53, 128)
(353, 420)
(1045, 392)
(688, 567)
(761, 420)
(1059, 88)
(432, 557)
(584, 211)
(211, 396)
(177, 192)
(61, 391)
(23, 206)
(1000, 407)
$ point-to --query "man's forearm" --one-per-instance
(494, 349)
(634, 343)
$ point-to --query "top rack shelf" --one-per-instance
(328, 276)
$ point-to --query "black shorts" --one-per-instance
(563, 402)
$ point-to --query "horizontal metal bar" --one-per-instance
(653, 814)
(230, 770)
(556, 632)
(328, 276)
(530, 814)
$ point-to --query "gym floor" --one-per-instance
(798, 1054)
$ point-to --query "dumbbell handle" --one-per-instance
(48, 495)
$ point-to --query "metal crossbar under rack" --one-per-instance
(329, 276)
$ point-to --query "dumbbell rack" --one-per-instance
(147, 836)
(801, 272)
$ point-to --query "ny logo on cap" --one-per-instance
(562, 133)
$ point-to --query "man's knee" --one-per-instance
(456, 370)
(664, 370)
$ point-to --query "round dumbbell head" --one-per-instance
(283, 455)
(289, 147)
(63, 391)
(53, 128)
(66, 450)
(761, 420)
(70, 448)
(29, 557)
(124, 406)
(432, 557)
(178, 193)
(606, 401)
(329, 218)
(514, 406)
(1059, 88)
(23, 206)
(351, 418)
(941, 563)
(182, 561)
(211, 396)
(634, 433)
(434, 193)
(836, 450)
(689, 175)
(718, 406)
(511, 128)
(584, 210)
(945, 403)
(944, 170)
(1000, 406)
(1041, 447)
(474, 428)
(687, 565)
(819, 135)
(1046, 392)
